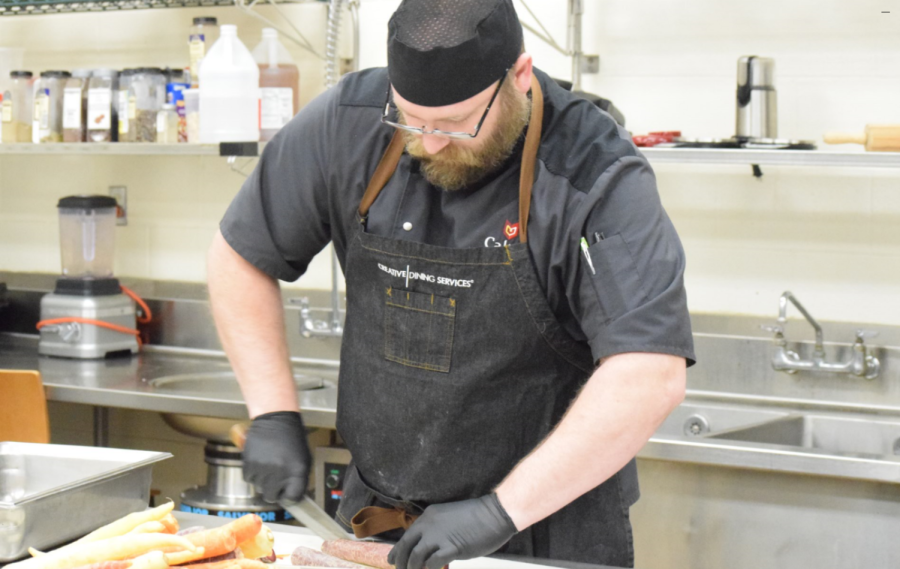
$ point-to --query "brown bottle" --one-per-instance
(279, 82)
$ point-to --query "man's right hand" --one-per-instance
(276, 456)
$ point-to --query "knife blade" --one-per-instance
(306, 511)
(316, 519)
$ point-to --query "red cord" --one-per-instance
(99, 323)
(148, 316)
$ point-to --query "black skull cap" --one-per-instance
(441, 52)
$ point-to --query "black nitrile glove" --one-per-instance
(448, 532)
(276, 456)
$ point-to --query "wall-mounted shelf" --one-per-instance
(131, 149)
(34, 7)
(816, 158)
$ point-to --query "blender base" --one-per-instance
(86, 341)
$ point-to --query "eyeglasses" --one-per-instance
(455, 135)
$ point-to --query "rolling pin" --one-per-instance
(877, 138)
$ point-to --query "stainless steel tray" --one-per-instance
(51, 494)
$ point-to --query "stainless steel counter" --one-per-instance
(134, 382)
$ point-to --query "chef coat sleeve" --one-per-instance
(279, 219)
(634, 300)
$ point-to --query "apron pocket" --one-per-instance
(418, 329)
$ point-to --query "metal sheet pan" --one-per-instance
(51, 494)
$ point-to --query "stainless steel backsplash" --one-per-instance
(734, 354)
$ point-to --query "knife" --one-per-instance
(306, 511)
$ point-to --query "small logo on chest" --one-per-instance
(511, 230)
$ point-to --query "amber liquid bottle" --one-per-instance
(279, 82)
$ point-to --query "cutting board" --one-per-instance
(285, 543)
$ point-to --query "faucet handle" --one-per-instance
(861, 334)
(777, 329)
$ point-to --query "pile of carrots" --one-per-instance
(151, 540)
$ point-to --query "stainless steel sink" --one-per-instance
(221, 383)
(838, 435)
(698, 419)
(214, 385)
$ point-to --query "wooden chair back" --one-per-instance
(23, 407)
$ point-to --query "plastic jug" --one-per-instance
(229, 92)
(279, 83)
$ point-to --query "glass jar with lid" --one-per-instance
(102, 119)
(204, 33)
(48, 106)
(122, 105)
(167, 125)
(18, 107)
(148, 87)
(75, 105)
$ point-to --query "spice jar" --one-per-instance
(122, 106)
(75, 105)
(101, 119)
(204, 34)
(167, 125)
(48, 107)
(192, 114)
(148, 86)
(18, 107)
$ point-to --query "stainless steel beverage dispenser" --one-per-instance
(757, 104)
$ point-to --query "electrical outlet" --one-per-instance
(590, 64)
(121, 195)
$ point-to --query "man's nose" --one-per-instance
(434, 144)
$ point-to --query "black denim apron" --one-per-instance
(453, 368)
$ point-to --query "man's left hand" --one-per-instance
(457, 530)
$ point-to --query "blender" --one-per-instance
(88, 315)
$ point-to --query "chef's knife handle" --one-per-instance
(238, 433)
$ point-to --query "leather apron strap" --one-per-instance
(374, 520)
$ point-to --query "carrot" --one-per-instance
(108, 565)
(245, 527)
(112, 549)
(230, 564)
(128, 523)
(259, 545)
(170, 522)
(151, 560)
(224, 539)
(150, 527)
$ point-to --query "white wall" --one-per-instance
(830, 235)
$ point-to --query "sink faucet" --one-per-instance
(860, 364)
(319, 328)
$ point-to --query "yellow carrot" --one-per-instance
(260, 545)
(151, 560)
(150, 527)
(128, 523)
(112, 549)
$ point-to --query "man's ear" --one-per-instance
(523, 68)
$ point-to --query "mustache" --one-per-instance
(455, 166)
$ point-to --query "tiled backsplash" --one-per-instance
(832, 236)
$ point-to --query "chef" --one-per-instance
(516, 323)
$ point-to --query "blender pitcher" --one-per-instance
(86, 236)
